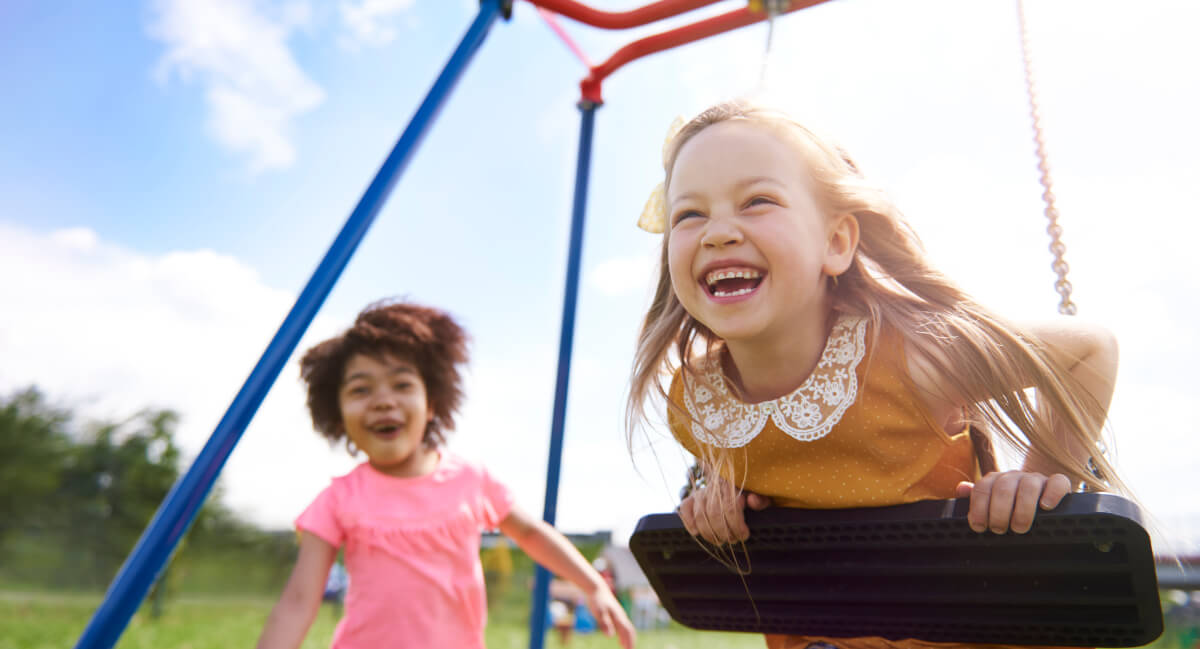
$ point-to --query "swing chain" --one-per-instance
(772, 8)
(1057, 247)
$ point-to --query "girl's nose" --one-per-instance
(721, 231)
(384, 399)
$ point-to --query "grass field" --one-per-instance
(54, 621)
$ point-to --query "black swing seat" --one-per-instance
(1083, 576)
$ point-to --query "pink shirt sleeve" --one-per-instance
(321, 519)
(498, 500)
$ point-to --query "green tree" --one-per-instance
(33, 446)
(75, 498)
(113, 481)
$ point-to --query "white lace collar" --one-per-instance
(720, 419)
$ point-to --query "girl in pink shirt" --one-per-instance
(409, 517)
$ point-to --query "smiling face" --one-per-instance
(385, 411)
(748, 246)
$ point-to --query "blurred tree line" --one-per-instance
(76, 496)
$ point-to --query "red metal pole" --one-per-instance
(652, 12)
(591, 86)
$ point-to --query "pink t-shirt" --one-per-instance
(412, 552)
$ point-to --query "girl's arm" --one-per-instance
(301, 599)
(550, 548)
(1010, 500)
(1090, 354)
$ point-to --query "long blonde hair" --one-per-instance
(988, 359)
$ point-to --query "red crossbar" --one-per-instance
(652, 12)
(591, 86)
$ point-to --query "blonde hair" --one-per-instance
(988, 359)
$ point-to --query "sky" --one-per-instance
(171, 173)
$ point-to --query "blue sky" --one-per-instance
(171, 172)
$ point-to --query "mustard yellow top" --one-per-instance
(853, 435)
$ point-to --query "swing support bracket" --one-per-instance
(591, 87)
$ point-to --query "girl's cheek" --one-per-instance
(676, 275)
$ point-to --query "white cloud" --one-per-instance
(110, 331)
(371, 22)
(79, 239)
(619, 276)
(254, 86)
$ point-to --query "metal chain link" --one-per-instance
(772, 8)
(1057, 247)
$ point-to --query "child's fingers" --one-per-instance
(757, 502)
(736, 520)
(625, 631)
(1004, 501)
(603, 621)
(716, 519)
(611, 619)
(720, 527)
(707, 516)
(1025, 503)
(1001, 500)
(606, 623)
(963, 489)
(977, 513)
(1057, 487)
(693, 511)
(705, 521)
(687, 514)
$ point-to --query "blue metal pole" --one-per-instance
(541, 586)
(176, 513)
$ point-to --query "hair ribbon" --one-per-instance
(654, 214)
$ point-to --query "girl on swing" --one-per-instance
(818, 360)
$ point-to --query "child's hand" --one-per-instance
(1009, 500)
(611, 617)
(716, 513)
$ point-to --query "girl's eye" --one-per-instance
(403, 385)
(358, 390)
(686, 214)
(760, 200)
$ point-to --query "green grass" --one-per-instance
(54, 621)
(40, 620)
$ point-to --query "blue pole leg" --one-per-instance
(541, 587)
(182, 504)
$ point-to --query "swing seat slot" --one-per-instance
(1084, 575)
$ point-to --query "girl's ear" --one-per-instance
(843, 242)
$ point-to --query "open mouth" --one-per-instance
(732, 282)
(386, 430)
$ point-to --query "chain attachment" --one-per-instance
(1057, 247)
(773, 9)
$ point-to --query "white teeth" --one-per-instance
(741, 291)
(713, 278)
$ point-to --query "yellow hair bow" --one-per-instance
(654, 213)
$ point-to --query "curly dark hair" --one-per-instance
(426, 337)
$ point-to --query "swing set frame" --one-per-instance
(178, 510)
(175, 515)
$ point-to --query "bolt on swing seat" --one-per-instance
(1084, 575)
